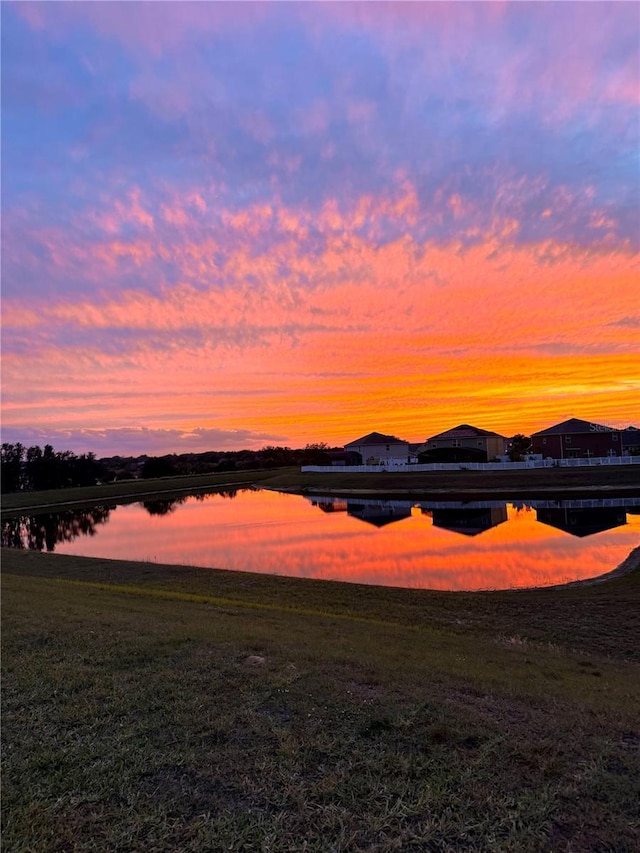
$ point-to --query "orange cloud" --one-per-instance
(340, 336)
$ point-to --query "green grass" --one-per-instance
(604, 481)
(163, 708)
(610, 480)
(131, 490)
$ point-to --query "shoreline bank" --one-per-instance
(510, 485)
(457, 494)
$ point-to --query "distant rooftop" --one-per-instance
(465, 431)
(376, 438)
(573, 426)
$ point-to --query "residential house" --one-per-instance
(469, 522)
(583, 522)
(464, 443)
(380, 513)
(379, 449)
(576, 438)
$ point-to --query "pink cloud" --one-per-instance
(155, 28)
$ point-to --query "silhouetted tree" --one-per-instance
(276, 457)
(162, 507)
(120, 467)
(226, 464)
(11, 470)
(84, 470)
(46, 469)
(158, 466)
(315, 454)
(520, 444)
(34, 467)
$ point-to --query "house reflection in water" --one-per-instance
(438, 544)
(378, 513)
(469, 522)
(582, 522)
(582, 517)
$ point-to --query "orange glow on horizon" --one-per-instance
(434, 224)
(485, 335)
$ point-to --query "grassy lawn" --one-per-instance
(132, 490)
(609, 480)
(162, 708)
(594, 482)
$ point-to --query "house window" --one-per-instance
(614, 437)
(567, 439)
(479, 442)
(544, 440)
(387, 446)
(456, 443)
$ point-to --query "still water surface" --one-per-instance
(437, 545)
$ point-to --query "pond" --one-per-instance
(425, 544)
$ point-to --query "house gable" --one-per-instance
(576, 438)
(575, 426)
(464, 443)
(465, 431)
(376, 438)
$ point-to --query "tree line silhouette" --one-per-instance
(270, 456)
(215, 461)
(34, 469)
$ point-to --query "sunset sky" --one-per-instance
(226, 225)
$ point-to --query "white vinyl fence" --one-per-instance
(478, 466)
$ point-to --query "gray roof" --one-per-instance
(376, 438)
(465, 431)
(575, 426)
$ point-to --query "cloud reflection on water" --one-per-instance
(288, 535)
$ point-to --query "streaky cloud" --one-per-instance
(312, 219)
(135, 441)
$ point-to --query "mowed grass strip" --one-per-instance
(601, 619)
(127, 491)
(605, 481)
(157, 718)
